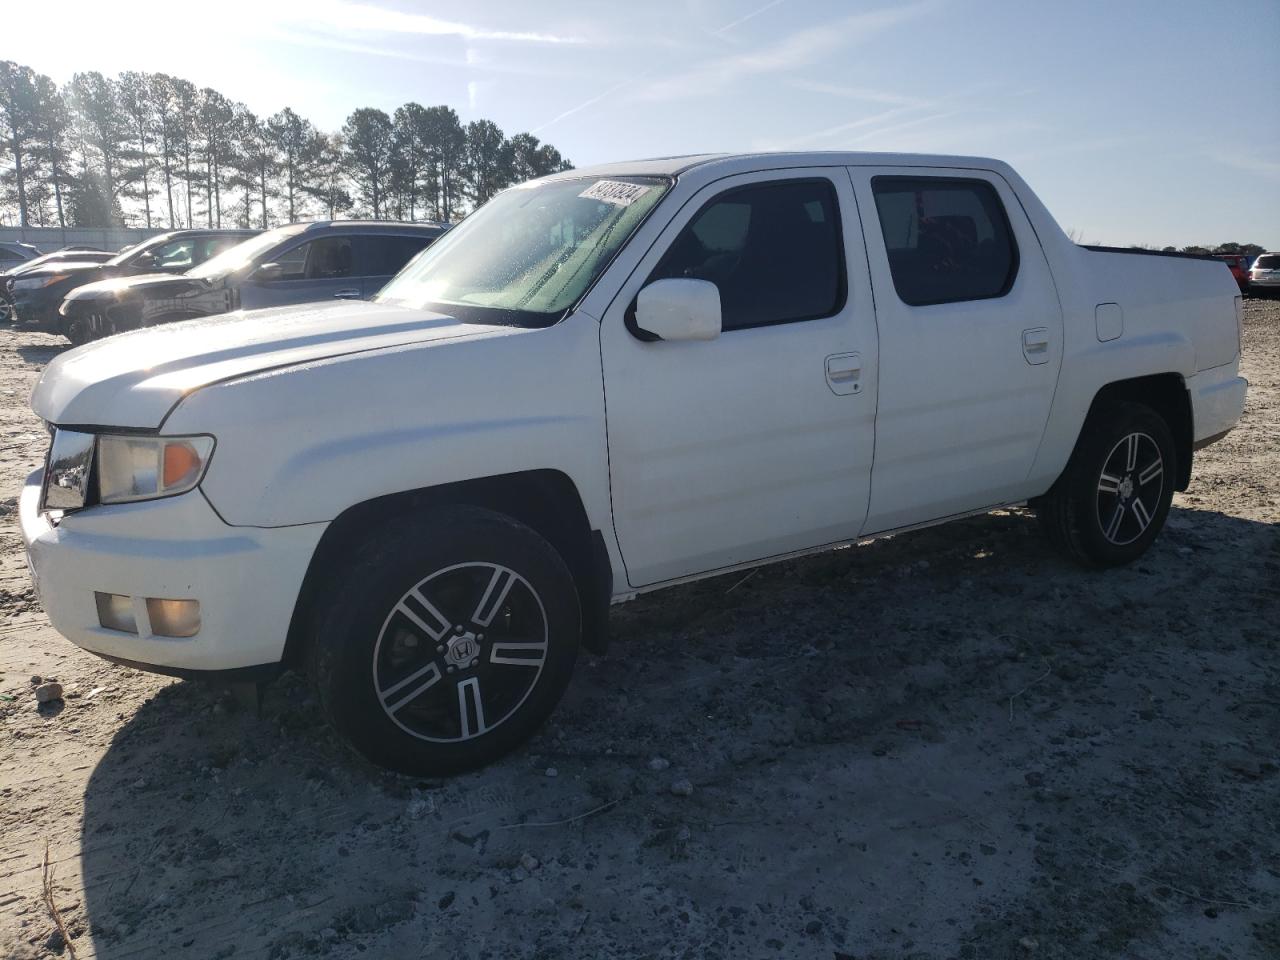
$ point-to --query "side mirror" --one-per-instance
(148, 261)
(678, 309)
(268, 272)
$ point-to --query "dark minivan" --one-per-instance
(300, 263)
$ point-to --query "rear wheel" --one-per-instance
(449, 639)
(1111, 502)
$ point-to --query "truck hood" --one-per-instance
(135, 379)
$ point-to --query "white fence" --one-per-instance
(55, 238)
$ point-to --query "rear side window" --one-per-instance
(948, 240)
(386, 256)
(773, 250)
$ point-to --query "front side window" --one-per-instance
(948, 240)
(329, 258)
(773, 250)
(530, 253)
(324, 259)
(176, 255)
(246, 253)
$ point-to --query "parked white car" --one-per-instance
(602, 383)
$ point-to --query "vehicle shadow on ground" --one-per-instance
(42, 354)
(938, 743)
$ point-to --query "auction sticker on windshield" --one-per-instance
(615, 192)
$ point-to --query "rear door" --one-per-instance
(970, 341)
(381, 258)
(757, 443)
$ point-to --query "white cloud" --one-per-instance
(861, 93)
(743, 19)
(591, 102)
(343, 15)
(1249, 163)
(800, 49)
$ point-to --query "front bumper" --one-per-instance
(37, 309)
(246, 579)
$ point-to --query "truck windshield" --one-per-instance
(527, 255)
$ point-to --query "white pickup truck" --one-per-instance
(606, 382)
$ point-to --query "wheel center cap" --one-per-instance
(1126, 488)
(462, 650)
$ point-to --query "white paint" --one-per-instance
(718, 453)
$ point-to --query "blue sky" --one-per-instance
(1136, 121)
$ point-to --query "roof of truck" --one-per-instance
(736, 162)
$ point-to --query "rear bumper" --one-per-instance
(1217, 401)
(246, 579)
(1268, 283)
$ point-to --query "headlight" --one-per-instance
(35, 283)
(143, 468)
(66, 480)
(127, 468)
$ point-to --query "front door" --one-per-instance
(970, 341)
(757, 443)
(320, 269)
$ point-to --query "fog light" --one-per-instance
(115, 612)
(174, 618)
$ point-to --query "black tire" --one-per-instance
(385, 629)
(76, 331)
(1125, 446)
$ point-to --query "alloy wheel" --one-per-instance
(460, 652)
(1129, 488)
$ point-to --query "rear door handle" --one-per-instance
(1035, 345)
(844, 373)
(351, 294)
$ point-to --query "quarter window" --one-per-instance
(948, 240)
(773, 250)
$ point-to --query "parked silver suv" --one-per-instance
(300, 263)
(1264, 275)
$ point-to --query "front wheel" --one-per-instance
(448, 640)
(1111, 502)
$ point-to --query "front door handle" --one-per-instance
(844, 373)
(1035, 345)
(349, 294)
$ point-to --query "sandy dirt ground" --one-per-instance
(949, 744)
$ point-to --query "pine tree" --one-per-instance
(368, 140)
